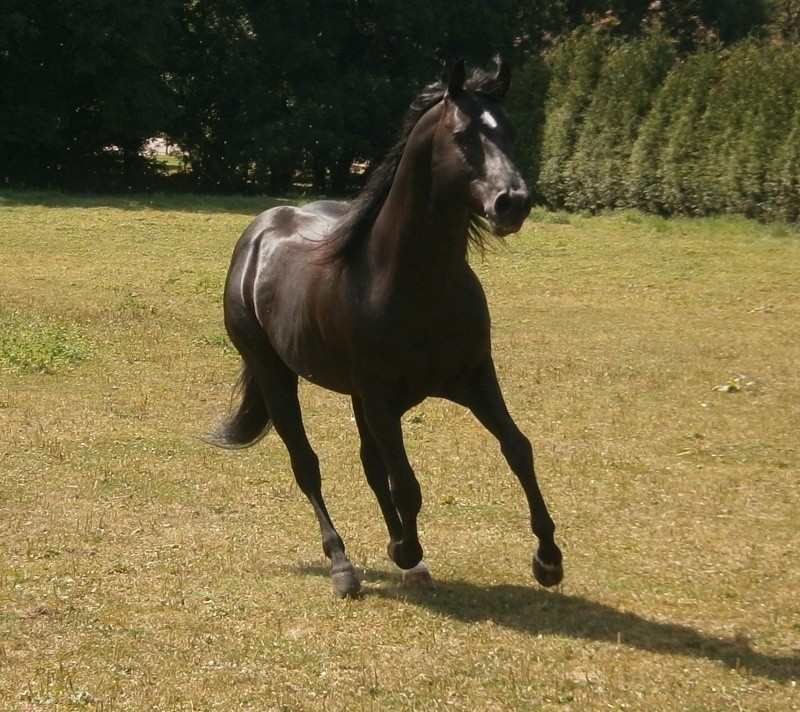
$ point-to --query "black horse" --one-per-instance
(377, 300)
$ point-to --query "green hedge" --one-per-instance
(660, 178)
(575, 69)
(632, 124)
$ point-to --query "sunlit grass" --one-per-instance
(33, 345)
(142, 569)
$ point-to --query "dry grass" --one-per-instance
(143, 570)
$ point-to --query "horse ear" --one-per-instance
(458, 75)
(503, 77)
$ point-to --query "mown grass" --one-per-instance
(141, 569)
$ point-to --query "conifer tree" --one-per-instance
(748, 118)
(685, 96)
(575, 64)
(630, 75)
(782, 183)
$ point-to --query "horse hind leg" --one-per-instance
(305, 465)
(284, 408)
(270, 398)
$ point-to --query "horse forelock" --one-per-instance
(354, 226)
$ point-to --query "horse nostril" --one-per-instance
(502, 204)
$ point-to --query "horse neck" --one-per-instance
(419, 240)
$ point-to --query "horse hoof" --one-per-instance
(547, 574)
(418, 577)
(346, 583)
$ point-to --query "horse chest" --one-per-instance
(418, 365)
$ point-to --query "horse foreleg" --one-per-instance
(377, 474)
(483, 397)
(391, 477)
(378, 478)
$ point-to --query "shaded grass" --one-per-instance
(140, 569)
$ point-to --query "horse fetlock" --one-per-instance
(405, 555)
(544, 532)
(333, 547)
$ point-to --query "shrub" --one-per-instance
(575, 64)
(667, 143)
(630, 75)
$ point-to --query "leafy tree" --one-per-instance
(261, 94)
(212, 73)
(75, 79)
(273, 90)
(695, 23)
(691, 23)
(785, 19)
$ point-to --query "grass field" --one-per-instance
(654, 364)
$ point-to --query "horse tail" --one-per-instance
(249, 421)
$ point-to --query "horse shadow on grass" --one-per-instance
(534, 611)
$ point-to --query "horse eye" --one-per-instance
(467, 141)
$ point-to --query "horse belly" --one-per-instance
(302, 347)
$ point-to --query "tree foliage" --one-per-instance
(660, 177)
(82, 86)
(263, 95)
(291, 87)
(712, 132)
(629, 75)
(575, 64)
(748, 118)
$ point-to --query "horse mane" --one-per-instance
(352, 229)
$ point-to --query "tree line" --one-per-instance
(263, 94)
(636, 124)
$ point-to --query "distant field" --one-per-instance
(655, 365)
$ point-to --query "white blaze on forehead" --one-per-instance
(488, 119)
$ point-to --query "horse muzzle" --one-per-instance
(508, 211)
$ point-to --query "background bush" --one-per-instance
(714, 131)
(679, 106)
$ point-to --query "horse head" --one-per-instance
(474, 144)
